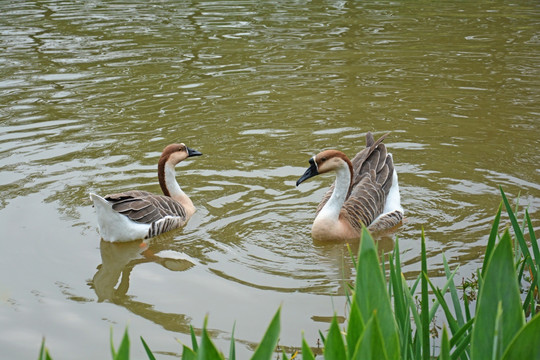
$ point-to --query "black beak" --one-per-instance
(310, 172)
(193, 152)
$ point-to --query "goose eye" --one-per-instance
(323, 158)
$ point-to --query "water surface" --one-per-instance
(91, 92)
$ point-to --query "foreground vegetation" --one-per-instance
(386, 321)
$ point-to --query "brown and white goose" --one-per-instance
(366, 192)
(135, 214)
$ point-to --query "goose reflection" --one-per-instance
(119, 259)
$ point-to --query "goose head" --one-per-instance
(174, 153)
(328, 160)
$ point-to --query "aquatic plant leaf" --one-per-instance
(372, 295)
(371, 344)
(492, 238)
(44, 352)
(147, 349)
(447, 285)
(454, 295)
(445, 345)
(334, 348)
(355, 327)
(534, 241)
(536, 271)
(270, 339)
(499, 286)
(400, 307)
(307, 354)
(188, 354)
(123, 349)
(454, 327)
(424, 303)
(401, 304)
(525, 344)
(462, 341)
(517, 231)
(232, 347)
(194, 344)
(207, 350)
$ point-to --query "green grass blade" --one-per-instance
(517, 231)
(194, 344)
(207, 350)
(123, 349)
(460, 351)
(462, 333)
(454, 326)
(232, 347)
(525, 343)
(400, 311)
(371, 345)
(492, 238)
(424, 304)
(43, 352)
(147, 349)
(372, 295)
(415, 284)
(536, 251)
(270, 339)
(454, 295)
(500, 285)
(334, 348)
(534, 241)
(355, 327)
(188, 354)
(435, 307)
(307, 354)
(445, 345)
(412, 305)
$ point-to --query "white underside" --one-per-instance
(393, 201)
(115, 227)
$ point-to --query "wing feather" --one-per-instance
(145, 207)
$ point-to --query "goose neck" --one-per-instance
(333, 207)
(167, 180)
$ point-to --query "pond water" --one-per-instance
(91, 92)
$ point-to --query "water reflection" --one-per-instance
(90, 90)
(111, 281)
(119, 260)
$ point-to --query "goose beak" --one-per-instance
(193, 152)
(310, 172)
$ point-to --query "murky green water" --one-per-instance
(91, 92)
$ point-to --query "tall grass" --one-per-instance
(386, 322)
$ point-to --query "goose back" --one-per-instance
(145, 207)
(370, 183)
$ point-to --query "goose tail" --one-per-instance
(392, 214)
(114, 226)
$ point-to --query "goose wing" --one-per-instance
(145, 207)
(370, 184)
(368, 196)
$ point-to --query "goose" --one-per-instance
(135, 214)
(365, 193)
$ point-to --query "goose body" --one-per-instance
(365, 193)
(135, 214)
